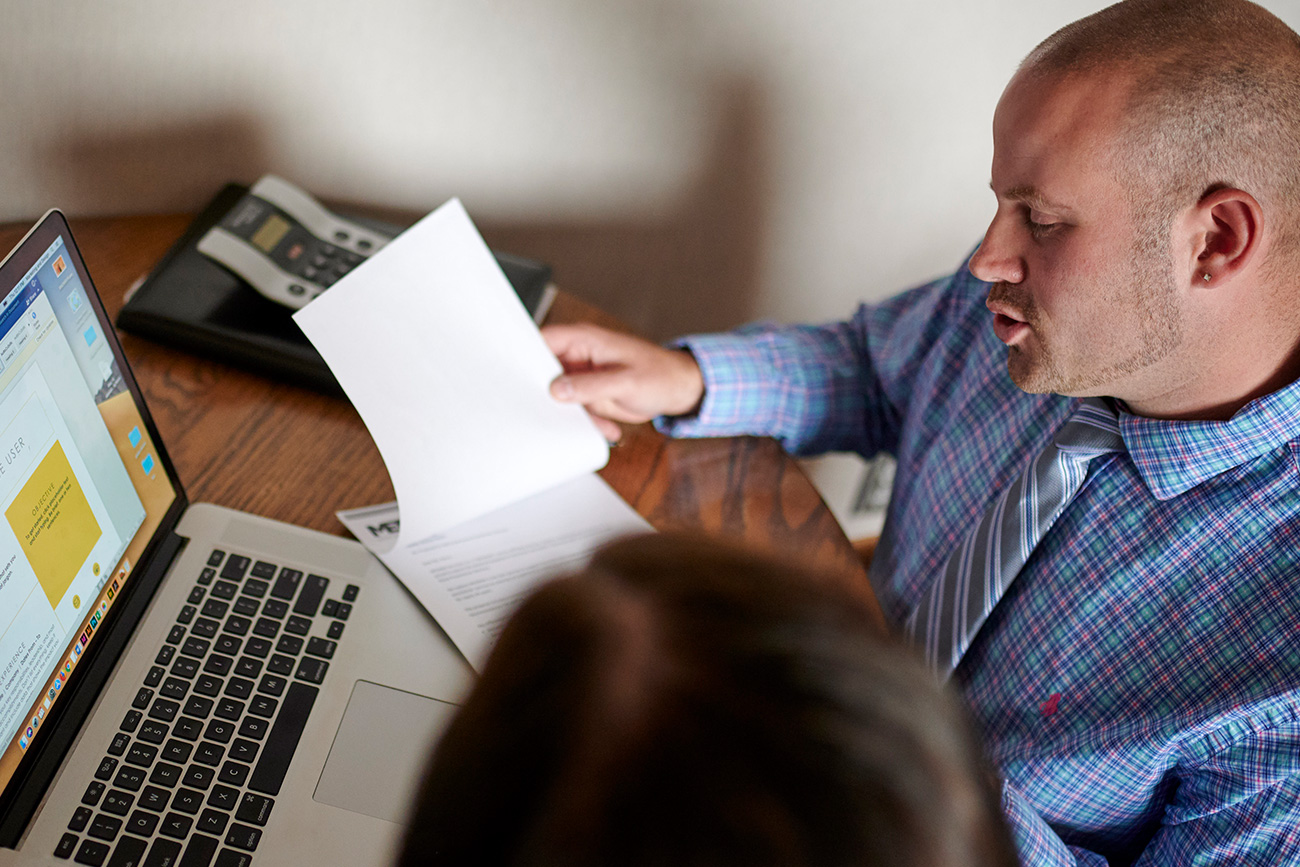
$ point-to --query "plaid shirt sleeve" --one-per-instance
(835, 387)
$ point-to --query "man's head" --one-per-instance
(680, 702)
(1147, 168)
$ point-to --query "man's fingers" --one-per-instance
(591, 387)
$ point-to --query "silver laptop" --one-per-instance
(180, 684)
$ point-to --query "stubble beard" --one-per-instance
(1146, 296)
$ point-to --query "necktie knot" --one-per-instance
(1092, 429)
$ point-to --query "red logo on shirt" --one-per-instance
(1048, 708)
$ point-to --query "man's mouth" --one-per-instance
(1009, 323)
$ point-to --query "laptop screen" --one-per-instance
(83, 487)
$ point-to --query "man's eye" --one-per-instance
(1039, 226)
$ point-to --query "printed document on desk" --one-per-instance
(494, 478)
(472, 577)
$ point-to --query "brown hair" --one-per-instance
(683, 702)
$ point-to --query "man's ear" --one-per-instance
(1227, 228)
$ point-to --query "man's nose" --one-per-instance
(997, 260)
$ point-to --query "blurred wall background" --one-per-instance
(687, 164)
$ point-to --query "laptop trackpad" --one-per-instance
(380, 751)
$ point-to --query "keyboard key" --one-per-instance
(104, 827)
(290, 644)
(67, 845)
(129, 778)
(185, 667)
(218, 664)
(175, 636)
(80, 819)
(297, 625)
(270, 684)
(286, 585)
(188, 727)
(196, 595)
(344, 611)
(165, 655)
(313, 591)
(311, 669)
(263, 569)
(258, 647)
(350, 593)
(119, 744)
(229, 708)
(235, 568)
(93, 793)
(248, 667)
(175, 825)
(165, 774)
(177, 751)
(208, 684)
(283, 740)
(223, 798)
(210, 754)
(199, 851)
(206, 576)
(131, 720)
(266, 627)
(142, 823)
(322, 647)
(255, 809)
(106, 768)
(276, 608)
(215, 609)
(155, 676)
(330, 608)
(154, 798)
(186, 617)
(335, 631)
(196, 647)
(243, 837)
(243, 750)
(129, 852)
(142, 698)
(205, 627)
(263, 705)
(198, 707)
(117, 802)
(232, 858)
(215, 558)
(234, 773)
(199, 777)
(187, 801)
(220, 731)
(92, 853)
(212, 822)
(254, 727)
(227, 644)
(281, 664)
(246, 606)
(224, 590)
(164, 709)
(163, 853)
(174, 688)
(141, 755)
(237, 625)
(256, 589)
(239, 687)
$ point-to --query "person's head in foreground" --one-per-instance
(683, 702)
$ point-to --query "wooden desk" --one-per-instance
(243, 441)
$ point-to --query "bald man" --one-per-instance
(1120, 609)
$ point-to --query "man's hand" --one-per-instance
(620, 378)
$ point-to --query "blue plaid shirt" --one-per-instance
(1138, 685)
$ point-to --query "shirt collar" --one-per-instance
(1176, 456)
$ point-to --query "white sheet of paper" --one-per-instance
(450, 375)
(472, 577)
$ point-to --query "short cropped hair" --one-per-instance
(685, 703)
(1215, 102)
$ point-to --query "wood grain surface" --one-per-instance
(244, 441)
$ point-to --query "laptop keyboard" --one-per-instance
(191, 777)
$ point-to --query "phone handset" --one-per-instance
(285, 244)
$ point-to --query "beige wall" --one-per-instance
(688, 163)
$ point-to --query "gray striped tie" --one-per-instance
(979, 571)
